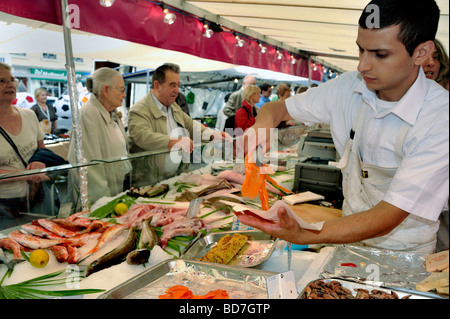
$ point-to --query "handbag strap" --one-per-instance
(13, 145)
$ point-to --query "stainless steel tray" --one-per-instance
(256, 251)
(351, 285)
(199, 277)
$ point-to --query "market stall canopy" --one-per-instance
(222, 79)
(141, 22)
(20, 35)
(325, 29)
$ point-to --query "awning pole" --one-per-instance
(309, 71)
(73, 95)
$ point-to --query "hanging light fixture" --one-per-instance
(207, 33)
(292, 59)
(169, 17)
(106, 3)
(279, 55)
(239, 42)
(262, 48)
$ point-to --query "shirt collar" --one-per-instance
(409, 105)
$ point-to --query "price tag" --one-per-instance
(282, 286)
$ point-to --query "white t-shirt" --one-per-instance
(27, 143)
(421, 183)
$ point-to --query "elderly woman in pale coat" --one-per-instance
(103, 135)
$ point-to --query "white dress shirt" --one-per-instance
(421, 183)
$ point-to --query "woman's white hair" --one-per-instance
(100, 78)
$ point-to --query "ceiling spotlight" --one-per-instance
(279, 55)
(292, 59)
(169, 17)
(106, 3)
(208, 32)
(262, 48)
(239, 42)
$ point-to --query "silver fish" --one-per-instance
(8, 263)
(115, 256)
(148, 238)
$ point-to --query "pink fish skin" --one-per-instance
(9, 243)
(61, 253)
(109, 234)
(74, 255)
(82, 239)
(55, 228)
(40, 231)
(33, 242)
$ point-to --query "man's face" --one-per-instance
(384, 63)
(267, 93)
(168, 91)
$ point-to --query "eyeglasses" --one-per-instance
(122, 90)
(5, 82)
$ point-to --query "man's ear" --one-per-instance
(423, 52)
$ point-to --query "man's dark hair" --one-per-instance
(160, 73)
(418, 19)
(265, 87)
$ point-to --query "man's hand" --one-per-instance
(286, 228)
(184, 143)
(222, 136)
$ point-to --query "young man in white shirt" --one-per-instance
(392, 126)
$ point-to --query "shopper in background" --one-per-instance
(436, 68)
(156, 122)
(235, 100)
(284, 92)
(45, 112)
(391, 127)
(103, 136)
(22, 129)
(266, 92)
(245, 116)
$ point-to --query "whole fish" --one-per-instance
(12, 245)
(61, 253)
(55, 228)
(32, 241)
(138, 256)
(39, 231)
(148, 191)
(148, 238)
(82, 239)
(115, 256)
(74, 254)
(109, 234)
(9, 263)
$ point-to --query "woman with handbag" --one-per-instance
(21, 136)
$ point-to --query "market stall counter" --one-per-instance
(139, 236)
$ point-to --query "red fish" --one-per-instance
(107, 235)
(40, 231)
(55, 228)
(32, 241)
(11, 244)
(61, 253)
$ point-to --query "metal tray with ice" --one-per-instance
(199, 277)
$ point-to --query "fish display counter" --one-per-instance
(165, 219)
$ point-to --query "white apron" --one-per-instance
(365, 185)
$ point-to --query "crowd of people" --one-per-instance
(388, 119)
